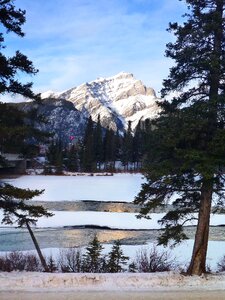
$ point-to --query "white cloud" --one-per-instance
(73, 41)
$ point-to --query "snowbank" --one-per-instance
(109, 282)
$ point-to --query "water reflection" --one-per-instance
(19, 239)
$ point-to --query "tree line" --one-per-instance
(100, 150)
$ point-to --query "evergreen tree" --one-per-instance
(109, 148)
(88, 157)
(127, 146)
(137, 148)
(116, 259)
(16, 210)
(55, 156)
(92, 259)
(71, 159)
(187, 152)
(15, 132)
(12, 20)
(98, 146)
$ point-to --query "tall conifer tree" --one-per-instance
(15, 128)
(88, 152)
(187, 154)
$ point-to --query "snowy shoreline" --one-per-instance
(167, 281)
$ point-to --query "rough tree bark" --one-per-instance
(198, 260)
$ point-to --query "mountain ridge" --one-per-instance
(117, 99)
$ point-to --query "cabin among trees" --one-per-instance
(14, 164)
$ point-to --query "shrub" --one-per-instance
(17, 261)
(154, 261)
(221, 264)
(70, 260)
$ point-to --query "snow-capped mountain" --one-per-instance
(117, 99)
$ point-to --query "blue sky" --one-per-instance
(75, 41)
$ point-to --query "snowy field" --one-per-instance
(119, 187)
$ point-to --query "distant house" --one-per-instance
(15, 164)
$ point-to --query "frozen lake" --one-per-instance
(119, 187)
(104, 214)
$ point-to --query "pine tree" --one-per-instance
(187, 152)
(92, 259)
(137, 147)
(127, 146)
(12, 20)
(116, 259)
(88, 157)
(98, 145)
(16, 131)
(55, 155)
(109, 148)
(17, 211)
(71, 161)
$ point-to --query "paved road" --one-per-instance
(176, 295)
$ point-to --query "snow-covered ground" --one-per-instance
(181, 254)
(109, 282)
(119, 187)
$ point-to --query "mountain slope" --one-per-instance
(63, 120)
(116, 99)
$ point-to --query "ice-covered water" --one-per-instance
(119, 187)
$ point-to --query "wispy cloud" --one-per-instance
(73, 41)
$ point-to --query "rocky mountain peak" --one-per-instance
(117, 99)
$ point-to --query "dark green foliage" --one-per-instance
(12, 19)
(55, 157)
(132, 267)
(138, 145)
(88, 153)
(52, 267)
(98, 147)
(116, 259)
(93, 260)
(186, 158)
(13, 201)
(109, 149)
(71, 160)
(16, 210)
(127, 147)
(17, 133)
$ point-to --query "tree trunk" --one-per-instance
(42, 259)
(198, 260)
